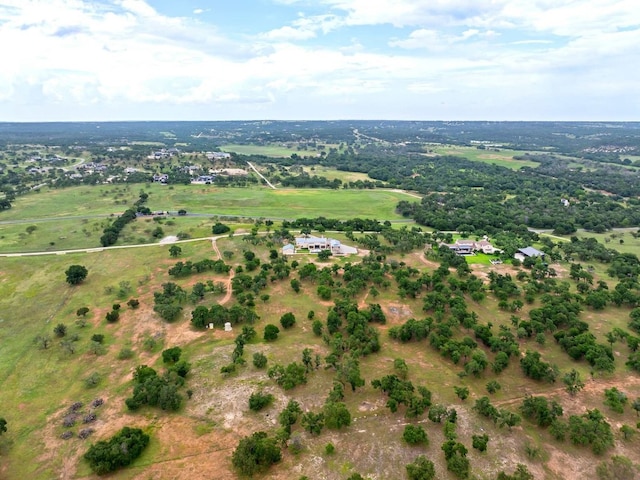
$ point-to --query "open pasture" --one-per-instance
(502, 157)
(208, 199)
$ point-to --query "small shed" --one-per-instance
(227, 327)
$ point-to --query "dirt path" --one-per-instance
(232, 273)
(594, 387)
(260, 175)
(407, 192)
(428, 263)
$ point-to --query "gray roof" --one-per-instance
(531, 252)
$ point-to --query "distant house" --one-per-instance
(218, 155)
(161, 178)
(315, 244)
(469, 247)
(528, 252)
(204, 179)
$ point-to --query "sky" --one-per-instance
(109, 60)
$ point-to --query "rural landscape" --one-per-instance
(320, 300)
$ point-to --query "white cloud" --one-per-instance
(449, 57)
(198, 11)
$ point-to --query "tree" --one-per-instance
(259, 400)
(255, 454)
(573, 382)
(421, 469)
(287, 320)
(76, 274)
(480, 442)
(133, 303)
(60, 330)
(336, 415)
(295, 285)
(82, 312)
(615, 399)
(636, 406)
(493, 386)
(119, 451)
(313, 422)
(113, 316)
(171, 355)
(3, 425)
(627, 431)
(259, 360)
(521, 473)
(415, 435)
(175, 251)
(220, 228)
(324, 255)
(462, 392)
(271, 332)
(618, 467)
(42, 341)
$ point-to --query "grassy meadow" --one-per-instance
(502, 156)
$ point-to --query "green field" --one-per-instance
(502, 157)
(332, 173)
(250, 202)
(75, 217)
(275, 151)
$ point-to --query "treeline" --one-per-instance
(322, 224)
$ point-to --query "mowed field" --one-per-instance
(251, 202)
(75, 217)
(502, 157)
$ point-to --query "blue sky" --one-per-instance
(81, 60)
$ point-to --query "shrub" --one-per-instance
(255, 454)
(259, 360)
(93, 380)
(271, 332)
(97, 337)
(259, 400)
(171, 355)
(421, 469)
(60, 330)
(415, 435)
(288, 320)
(480, 442)
(119, 451)
(125, 354)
